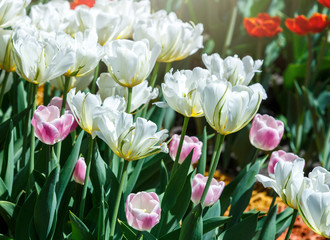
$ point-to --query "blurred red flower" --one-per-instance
(263, 25)
(302, 26)
(75, 3)
(325, 3)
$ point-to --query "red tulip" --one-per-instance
(325, 3)
(263, 25)
(302, 26)
(75, 3)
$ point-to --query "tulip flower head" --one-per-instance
(325, 3)
(266, 132)
(6, 55)
(130, 62)
(180, 91)
(302, 26)
(229, 108)
(142, 210)
(279, 156)
(189, 144)
(128, 140)
(49, 126)
(232, 69)
(79, 172)
(11, 11)
(141, 93)
(88, 3)
(213, 193)
(288, 181)
(263, 25)
(178, 39)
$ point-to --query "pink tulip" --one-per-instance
(57, 101)
(279, 156)
(49, 127)
(266, 132)
(142, 210)
(189, 144)
(79, 172)
(213, 193)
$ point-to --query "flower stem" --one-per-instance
(154, 75)
(129, 100)
(88, 163)
(214, 164)
(116, 207)
(183, 133)
(32, 138)
(230, 31)
(65, 92)
(168, 67)
(96, 74)
(3, 87)
(191, 11)
(294, 216)
(309, 61)
(259, 55)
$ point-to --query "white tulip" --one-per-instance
(319, 179)
(130, 10)
(141, 93)
(79, 83)
(178, 39)
(232, 69)
(11, 11)
(128, 140)
(108, 27)
(314, 209)
(229, 108)
(6, 55)
(85, 106)
(288, 181)
(130, 62)
(38, 56)
(51, 16)
(180, 91)
(87, 52)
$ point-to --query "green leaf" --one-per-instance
(214, 222)
(243, 230)
(163, 178)
(176, 184)
(268, 230)
(3, 190)
(192, 226)
(24, 217)
(7, 211)
(79, 229)
(44, 210)
(101, 218)
(292, 73)
(133, 177)
(283, 221)
(126, 231)
(202, 161)
(8, 163)
(67, 170)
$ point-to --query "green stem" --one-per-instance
(88, 163)
(168, 67)
(183, 133)
(309, 61)
(96, 74)
(294, 216)
(116, 206)
(191, 11)
(138, 235)
(129, 100)
(32, 139)
(202, 161)
(255, 155)
(65, 93)
(154, 75)
(3, 87)
(214, 164)
(230, 31)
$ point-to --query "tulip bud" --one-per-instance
(266, 132)
(213, 193)
(189, 144)
(143, 210)
(80, 171)
(280, 156)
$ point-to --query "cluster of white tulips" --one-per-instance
(64, 47)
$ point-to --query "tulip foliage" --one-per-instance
(117, 116)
